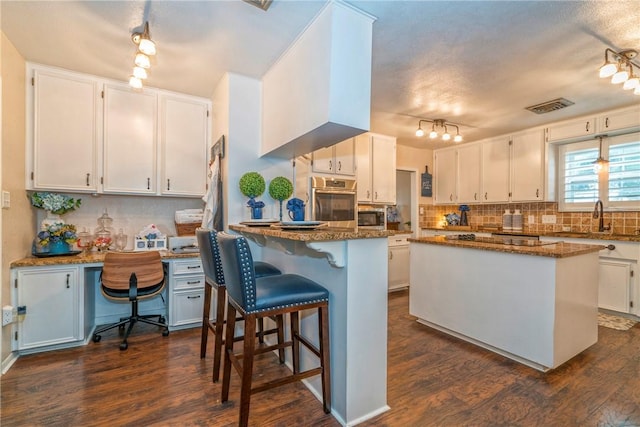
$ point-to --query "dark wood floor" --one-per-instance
(433, 380)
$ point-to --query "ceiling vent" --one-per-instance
(549, 106)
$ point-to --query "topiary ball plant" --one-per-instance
(252, 185)
(280, 188)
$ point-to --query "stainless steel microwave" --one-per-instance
(374, 218)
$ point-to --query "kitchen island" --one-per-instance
(531, 301)
(352, 265)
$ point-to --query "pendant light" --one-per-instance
(600, 163)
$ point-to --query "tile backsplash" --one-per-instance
(487, 215)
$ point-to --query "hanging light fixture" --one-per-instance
(443, 126)
(621, 69)
(146, 48)
(600, 163)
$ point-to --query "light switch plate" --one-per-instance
(531, 219)
(6, 199)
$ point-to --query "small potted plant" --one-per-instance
(280, 188)
(252, 185)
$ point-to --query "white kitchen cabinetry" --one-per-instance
(496, 164)
(607, 124)
(571, 129)
(527, 166)
(187, 293)
(376, 168)
(130, 124)
(445, 176)
(51, 299)
(398, 261)
(183, 137)
(338, 159)
(468, 178)
(620, 120)
(66, 110)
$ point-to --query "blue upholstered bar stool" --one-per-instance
(214, 280)
(255, 298)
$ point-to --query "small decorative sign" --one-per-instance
(426, 183)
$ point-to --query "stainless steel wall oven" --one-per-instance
(334, 200)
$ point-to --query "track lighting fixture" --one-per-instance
(442, 125)
(621, 69)
(146, 48)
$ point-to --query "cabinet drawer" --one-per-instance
(399, 240)
(188, 282)
(187, 267)
(187, 307)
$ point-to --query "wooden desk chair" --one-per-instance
(214, 281)
(132, 276)
(255, 298)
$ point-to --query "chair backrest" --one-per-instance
(210, 255)
(237, 263)
(118, 267)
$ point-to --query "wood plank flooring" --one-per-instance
(433, 380)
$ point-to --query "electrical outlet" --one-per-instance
(548, 219)
(531, 219)
(6, 200)
(7, 315)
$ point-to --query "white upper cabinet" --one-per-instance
(129, 140)
(468, 179)
(527, 166)
(376, 168)
(571, 129)
(183, 134)
(495, 170)
(444, 171)
(609, 123)
(620, 120)
(338, 159)
(66, 109)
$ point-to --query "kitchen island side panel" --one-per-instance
(521, 305)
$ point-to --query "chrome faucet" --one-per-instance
(598, 213)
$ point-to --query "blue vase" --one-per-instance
(256, 213)
(58, 247)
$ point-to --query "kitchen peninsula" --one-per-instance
(352, 265)
(531, 301)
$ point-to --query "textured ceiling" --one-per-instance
(475, 63)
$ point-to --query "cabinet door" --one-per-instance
(468, 168)
(614, 285)
(323, 160)
(571, 130)
(345, 157)
(383, 169)
(621, 120)
(398, 267)
(51, 297)
(65, 134)
(184, 146)
(363, 168)
(527, 167)
(444, 162)
(186, 307)
(495, 170)
(129, 141)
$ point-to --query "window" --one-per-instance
(618, 185)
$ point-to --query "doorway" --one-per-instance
(407, 200)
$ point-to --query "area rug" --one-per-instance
(615, 322)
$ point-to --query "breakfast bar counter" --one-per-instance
(536, 303)
(352, 266)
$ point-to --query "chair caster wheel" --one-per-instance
(162, 319)
(124, 346)
(165, 333)
(97, 338)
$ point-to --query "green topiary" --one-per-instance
(252, 184)
(280, 188)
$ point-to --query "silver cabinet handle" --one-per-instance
(88, 175)
(68, 277)
(339, 165)
(475, 196)
(537, 192)
(606, 122)
(330, 165)
(168, 184)
(485, 195)
(193, 297)
(587, 127)
(148, 183)
(193, 283)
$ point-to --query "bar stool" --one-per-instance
(256, 298)
(214, 280)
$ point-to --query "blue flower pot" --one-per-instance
(59, 247)
(256, 213)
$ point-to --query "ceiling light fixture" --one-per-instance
(146, 48)
(443, 126)
(620, 67)
(600, 163)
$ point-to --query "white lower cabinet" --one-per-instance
(50, 306)
(186, 298)
(398, 262)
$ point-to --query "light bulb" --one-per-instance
(608, 70)
(135, 82)
(433, 134)
(140, 73)
(419, 132)
(632, 83)
(457, 138)
(142, 60)
(147, 46)
(620, 77)
(446, 136)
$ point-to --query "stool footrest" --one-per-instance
(286, 380)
